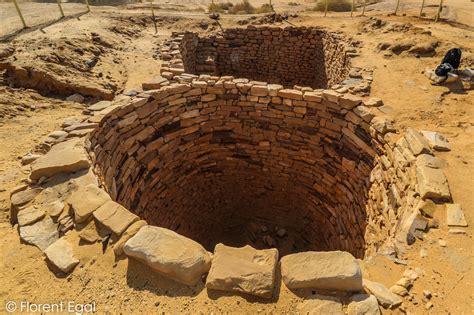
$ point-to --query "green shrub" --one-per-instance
(333, 5)
(220, 7)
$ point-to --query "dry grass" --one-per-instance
(243, 7)
(333, 5)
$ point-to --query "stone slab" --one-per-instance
(455, 215)
(85, 200)
(321, 270)
(320, 304)
(114, 217)
(41, 234)
(60, 255)
(172, 255)
(244, 269)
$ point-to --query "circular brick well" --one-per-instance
(224, 160)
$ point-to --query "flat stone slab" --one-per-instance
(30, 215)
(41, 234)
(172, 255)
(65, 157)
(320, 304)
(436, 140)
(114, 217)
(321, 270)
(383, 295)
(417, 142)
(131, 231)
(60, 254)
(455, 215)
(363, 304)
(244, 269)
(85, 200)
(432, 183)
(99, 106)
(24, 196)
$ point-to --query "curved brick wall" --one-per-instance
(304, 56)
(218, 159)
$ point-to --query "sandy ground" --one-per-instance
(128, 287)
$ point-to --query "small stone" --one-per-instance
(432, 183)
(428, 208)
(85, 200)
(60, 254)
(442, 243)
(30, 215)
(455, 215)
(429, 305)
(41, 234)
(114, 217)
(411, 274)
(363, 304)
(373, 102)
(173, 255)
(417, 142)
(383, 295)
(78, 98)
(399, 290)
(29, 158)
(24, 196)
(89, 234)
(281, 232)
(55, 208)
(320, 304)
(155, 83)
(57, 134)
(405, 282)
(244, 269)
(427, 294)
(436, 140)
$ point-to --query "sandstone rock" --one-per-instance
(399, 290)
(86, 200)
(173, 255)
(243, 269)
(55, 208)
(320, 304)
(383, 295)
(115, 217)
(155, 83)
(60, 254)
(291, 94)
(78, 98)
(29, 158)
(455, 215)
(428, 208)
(432, 183)
(100, 106)
(456, 231)
(321, 270)
(131, 231)
(417, 142)
(22, 197)
(373, 102)
(41, 234)
(363, 304)
(331, 96)
(436, 140)
(57, 134)
(30, 215)
(65, 157)
(89, 233)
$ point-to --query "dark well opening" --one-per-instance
(226, 168)
(288, 56)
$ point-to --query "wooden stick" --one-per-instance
(396, 8)
(19, 13)
(60, 7)
(439, 11)
(352, 7)
(153, 16)
(88, 7)
(326, 9)
(422, 6)
(363, 10)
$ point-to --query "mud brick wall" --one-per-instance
(209, 157)
(289, 56)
